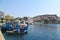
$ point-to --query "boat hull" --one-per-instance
(4, 29)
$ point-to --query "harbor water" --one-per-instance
(38, 32)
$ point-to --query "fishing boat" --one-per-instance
(15, 27)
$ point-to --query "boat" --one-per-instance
(15, 27)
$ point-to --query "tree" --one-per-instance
(25, 18)
(1, 13)
(1, 16)
(2, 20)
(54, 21)
(11, 19)
(46, 21)
(20, 18)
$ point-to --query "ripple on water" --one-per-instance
(38, 32)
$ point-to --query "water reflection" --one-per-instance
(38, 32)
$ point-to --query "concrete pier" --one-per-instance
(1, 36)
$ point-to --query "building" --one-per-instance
(45, 17)
(30, 20)
(58, 20)
(37, 18)
(50, 17)
(11, 17)
(7, 16)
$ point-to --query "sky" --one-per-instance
(30, 8)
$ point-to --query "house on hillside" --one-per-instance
(58, 20)
(46, 18)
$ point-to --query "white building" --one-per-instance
(30, 20)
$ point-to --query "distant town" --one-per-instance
(42, 19)
(47, 19)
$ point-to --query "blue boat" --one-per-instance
(22, 28)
